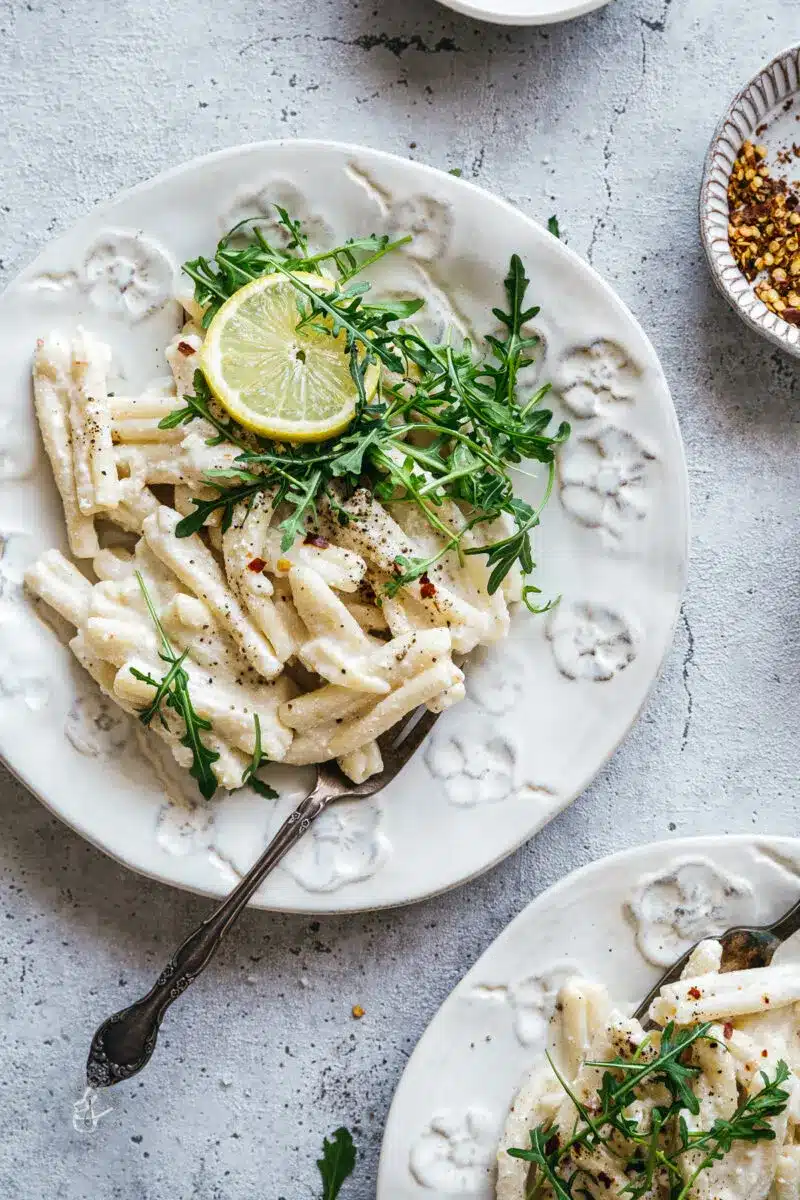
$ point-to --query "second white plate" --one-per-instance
(545, 710)
(620, 921)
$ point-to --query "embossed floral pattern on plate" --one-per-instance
(455, 1152)
(129, 273)
(96, 726)
(593, 379)
(692, 900)
(531, 1000)
(124, 272)
(260, 202)
(475, 767)
(590, 641)
(344, 845)
(603, 478)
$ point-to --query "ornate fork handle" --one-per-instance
(125, 1042)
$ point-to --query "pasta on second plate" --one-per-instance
(724, 1125)
(294, 637)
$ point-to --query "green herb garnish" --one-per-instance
(249, 776)
(552, 225)
(657, 1148)
(447, 423)
(173, 690)
(337, 1163)
(199, 405)
(748, 1124)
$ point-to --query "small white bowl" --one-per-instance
(765, 111)
(524, 12)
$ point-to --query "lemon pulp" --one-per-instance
(280, 381)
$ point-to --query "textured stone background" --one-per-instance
(605, 121)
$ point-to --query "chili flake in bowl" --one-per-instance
(764, 230)
(750, 202)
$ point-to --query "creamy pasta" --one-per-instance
(293, 636)
(733, 1135)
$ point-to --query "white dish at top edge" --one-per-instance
(544, 712)
(524, 12)
(620, 921)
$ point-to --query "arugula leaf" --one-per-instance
(173, 690)
(395, 310)
(350, 461)
(202, 758)
(249, 774)
(198, 405)
(304, 504)
(337, 1163)
(545, 1161)
(297, 239)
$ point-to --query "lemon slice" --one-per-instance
(286, 383)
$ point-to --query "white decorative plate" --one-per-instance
(524, 12)
(620, 921)
(544, 712)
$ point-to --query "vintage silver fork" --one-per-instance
(125, 1042)
(743, 947)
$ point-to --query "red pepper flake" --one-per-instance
(727, 1031)
(695, 993)
(766, 999)
(186, 349)
(426, 588)
(316, 539)
(765, 1053)
(256, 565)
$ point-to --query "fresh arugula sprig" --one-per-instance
(748, 1124)
(614, 1097)
(249, 775)
(200, 405)
(245, 254)
(337, 1163)
(445, 424)
(173, 690)
(597, 1125)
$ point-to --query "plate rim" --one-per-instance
(345, 904)
(693, 843)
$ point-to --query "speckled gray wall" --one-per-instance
(604, 121)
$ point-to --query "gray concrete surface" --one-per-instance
(604, 121)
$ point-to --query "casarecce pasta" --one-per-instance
(742, 1059)
(295, 637)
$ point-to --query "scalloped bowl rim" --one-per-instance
(756, 314)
